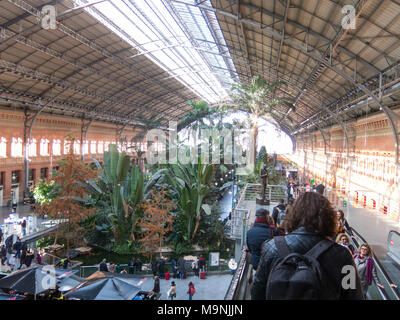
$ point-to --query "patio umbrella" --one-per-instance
(33, 280)
(5, 296)
(110, 288)
(69, 283)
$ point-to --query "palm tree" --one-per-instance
(147, 125)
(200, 110)
(258, 99)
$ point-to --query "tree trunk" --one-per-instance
(55, 239)
(255, 136)
(195, 228)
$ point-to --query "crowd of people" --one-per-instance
(134, 266)
(304, 240)
(15, 254)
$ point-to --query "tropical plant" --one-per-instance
(68, 207)
(118, 193)
(212, 231)
(258, 99)
(45, 191)
(200, 111)
(189, 186)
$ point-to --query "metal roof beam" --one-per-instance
(82, 67)
(89, 43)
(34, 75)
(312, 33)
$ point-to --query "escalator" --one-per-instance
(375, 292)
(239, 288)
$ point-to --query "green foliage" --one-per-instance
(262, 155)
(117, 194)
(189, 185)
(258, 98)
(45, 192)
(44, 242)
(195, 118)
(212, 232)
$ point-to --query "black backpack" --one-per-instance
(296, 276)
(281, 217)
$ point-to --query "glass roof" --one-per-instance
(179, 38)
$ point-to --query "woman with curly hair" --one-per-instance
(311, 224)
(341, 223)
(344, 240)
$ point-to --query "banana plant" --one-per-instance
(122, 189)
(190, 184)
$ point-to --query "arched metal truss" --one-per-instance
(103, 70)
(331, 57)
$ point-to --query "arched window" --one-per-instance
(44, 147)
(16, 147)
(3, 147)
(56, 147)
(100, 147)
(93, 147)
(77, 147)
(85, 147)
(32, 148)
(67, 146)
(106, 144)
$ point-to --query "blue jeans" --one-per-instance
(180, 275)
(190, 297)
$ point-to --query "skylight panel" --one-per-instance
(165, 32)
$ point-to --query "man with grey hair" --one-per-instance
(261, 231)
(103, 266)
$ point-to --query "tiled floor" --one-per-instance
(212, 288)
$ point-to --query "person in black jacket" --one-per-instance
(161, 271)
(260, 232)
(17, 246)
(139, 265)
(131, 266)
(156, 287)
(103, 266)
(275, 212)
(3, 254)
(311, 220)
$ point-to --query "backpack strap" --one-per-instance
(319, 248)
(282, 246)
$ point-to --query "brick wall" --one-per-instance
(46, 127)
(370, 171)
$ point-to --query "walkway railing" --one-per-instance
(239, 289)
(375, 292)
(393, 243)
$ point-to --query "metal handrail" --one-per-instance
(395, 257)
(233, 290)
(380, 268)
